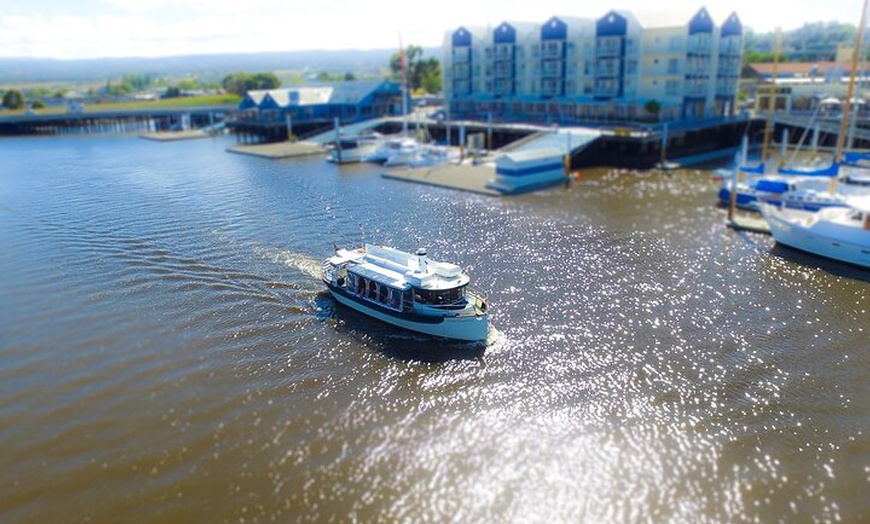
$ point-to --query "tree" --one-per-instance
(13, 99)
(421, 74)
(38, 104)
(653, 107)
(430, 75)
(172, 92)
(241, 83)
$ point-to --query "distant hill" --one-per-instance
(23, 70)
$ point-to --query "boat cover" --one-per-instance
(831, 171)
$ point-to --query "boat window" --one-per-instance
(440, 296)
(382, 295)
(373, 289)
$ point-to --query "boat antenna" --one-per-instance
(362, 240)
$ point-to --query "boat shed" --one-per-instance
(352, 101)
(522, 171)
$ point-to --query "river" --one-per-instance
(170, 355)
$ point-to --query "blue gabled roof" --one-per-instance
(611, 24)
(701, 23)
(461, 38)
(554, 29)
(732, 26)
(338, 93)
(504, 34)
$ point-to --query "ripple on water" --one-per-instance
(166, 340)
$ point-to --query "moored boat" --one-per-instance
(395, 148)
(407, 290)
(839, 233)
(350, 149)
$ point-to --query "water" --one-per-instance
(168, 354)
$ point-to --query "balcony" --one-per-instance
(551, 51)
(461, 55)
(608, 47)
(503, 72)
(551, 70)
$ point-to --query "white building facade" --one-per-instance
(579, 70)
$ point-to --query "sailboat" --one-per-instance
(841, 233)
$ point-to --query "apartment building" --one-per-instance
(656, 66)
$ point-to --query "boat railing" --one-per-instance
(326, 270)
(477, 299)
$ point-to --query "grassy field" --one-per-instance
(168, 103)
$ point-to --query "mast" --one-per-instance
(404, 87)
(850, 91)
(771, 98)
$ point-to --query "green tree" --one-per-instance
(120, 89)
(653, 107)
(38, 104)
(429, 75)
(241, 83)
(420, 73)
(13, 99)
(136, 81)
(172, 92)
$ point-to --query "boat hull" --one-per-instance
(796, 236)
(470, 328)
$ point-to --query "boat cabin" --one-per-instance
(397, 280)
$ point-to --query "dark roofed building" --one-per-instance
(352, 101)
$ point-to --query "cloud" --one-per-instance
(112, 28)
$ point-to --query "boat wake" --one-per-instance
(305, 264)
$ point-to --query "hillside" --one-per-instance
(24, 70)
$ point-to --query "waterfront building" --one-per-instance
(658, 66)
(351, 101)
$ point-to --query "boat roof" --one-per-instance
(861, 203)
(381, 275)
(399, 269)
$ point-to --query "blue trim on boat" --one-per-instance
(410, 317)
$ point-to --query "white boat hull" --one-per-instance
(465, 327)
(825, 242)
(350, 156)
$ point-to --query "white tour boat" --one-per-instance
(839, 233)
(407, 290)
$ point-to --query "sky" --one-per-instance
(72, 29)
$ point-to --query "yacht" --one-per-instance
(354, 148)
(391, 147)
(407, 290)
(839, 233)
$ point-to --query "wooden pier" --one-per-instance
(753, 224)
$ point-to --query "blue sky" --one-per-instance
(112, 28)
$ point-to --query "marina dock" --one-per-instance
(170, 136)
(278, 150)
(464, 177)
(754, 224)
